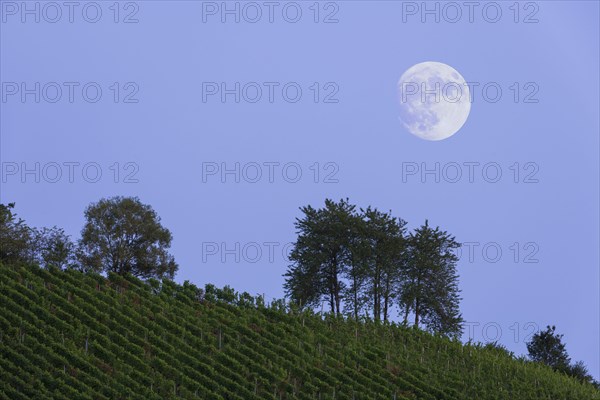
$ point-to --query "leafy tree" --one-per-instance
(580, 372)
(429, 283)
(386, 259)
(15, 236)
(122, 235)
(53, 247)
(365, 261)
(302, 283)
(547, 347)
(358, 251)
(320, 255)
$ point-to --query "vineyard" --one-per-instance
(69, 335)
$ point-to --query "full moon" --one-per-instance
(434, 100)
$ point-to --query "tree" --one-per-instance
(122, 235)
(547, 347)
(429, 283)
(320, 255)
(580, 372)
(365, 261)
(385, 260)
(355, 273)
(53, 247)
(15, 236)
(302, 283)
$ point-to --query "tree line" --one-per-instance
(120, 235)
(363, 263)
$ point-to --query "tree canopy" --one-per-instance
(363, 263)
(15, 236)
(123, 235)
(547, 347)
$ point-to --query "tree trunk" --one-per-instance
(376, 289)
(406, 311)
(336, 285)
(417, 310)
(331, 303)
(385, 306)
(355, 285)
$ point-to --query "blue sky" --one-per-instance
(163, 132)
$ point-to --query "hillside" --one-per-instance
(68, 335)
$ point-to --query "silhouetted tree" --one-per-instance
(580, 372)
(547, 347)
(429, 282)
(365, 261)
(320, 255)
(385, 261)
(302, 279)
(122, 235)
(53, 247)
(15, 236)
(359, 249)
